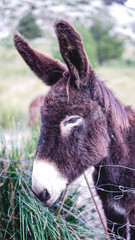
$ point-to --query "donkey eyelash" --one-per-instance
(71, 120)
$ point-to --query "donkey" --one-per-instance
(82, 125)
(34, 109)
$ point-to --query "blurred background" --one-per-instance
(107, 28)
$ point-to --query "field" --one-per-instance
(21, 216)
(18, 86)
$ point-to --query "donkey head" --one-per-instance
(73, 133)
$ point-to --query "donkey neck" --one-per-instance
(118, 125)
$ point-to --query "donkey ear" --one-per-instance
(46, 68)
(73, 52)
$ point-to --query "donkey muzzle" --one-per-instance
(48, 183)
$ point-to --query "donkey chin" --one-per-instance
(48, 184)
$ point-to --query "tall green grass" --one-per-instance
(22, 217)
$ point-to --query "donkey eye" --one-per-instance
(71, 120)
(69, 123)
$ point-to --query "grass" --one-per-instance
(22, 217)
(120, 78)
(18, 86)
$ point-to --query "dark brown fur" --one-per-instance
(106, 140)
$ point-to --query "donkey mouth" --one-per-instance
(45, 204)
(38, 200)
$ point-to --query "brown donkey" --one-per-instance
(83, 125)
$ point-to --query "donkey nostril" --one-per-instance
(44, 195)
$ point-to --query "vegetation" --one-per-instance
(28, 27)
(101, 43)
(109, 44)
(18, 86)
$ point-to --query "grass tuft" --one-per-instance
(22, 217)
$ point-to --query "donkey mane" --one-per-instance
(112, 105)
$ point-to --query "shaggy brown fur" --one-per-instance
(106, 139)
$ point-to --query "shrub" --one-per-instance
(28, 27)
(109, 44)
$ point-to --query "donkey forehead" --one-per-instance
(58, 105)
(56, 95)
(62, 96)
